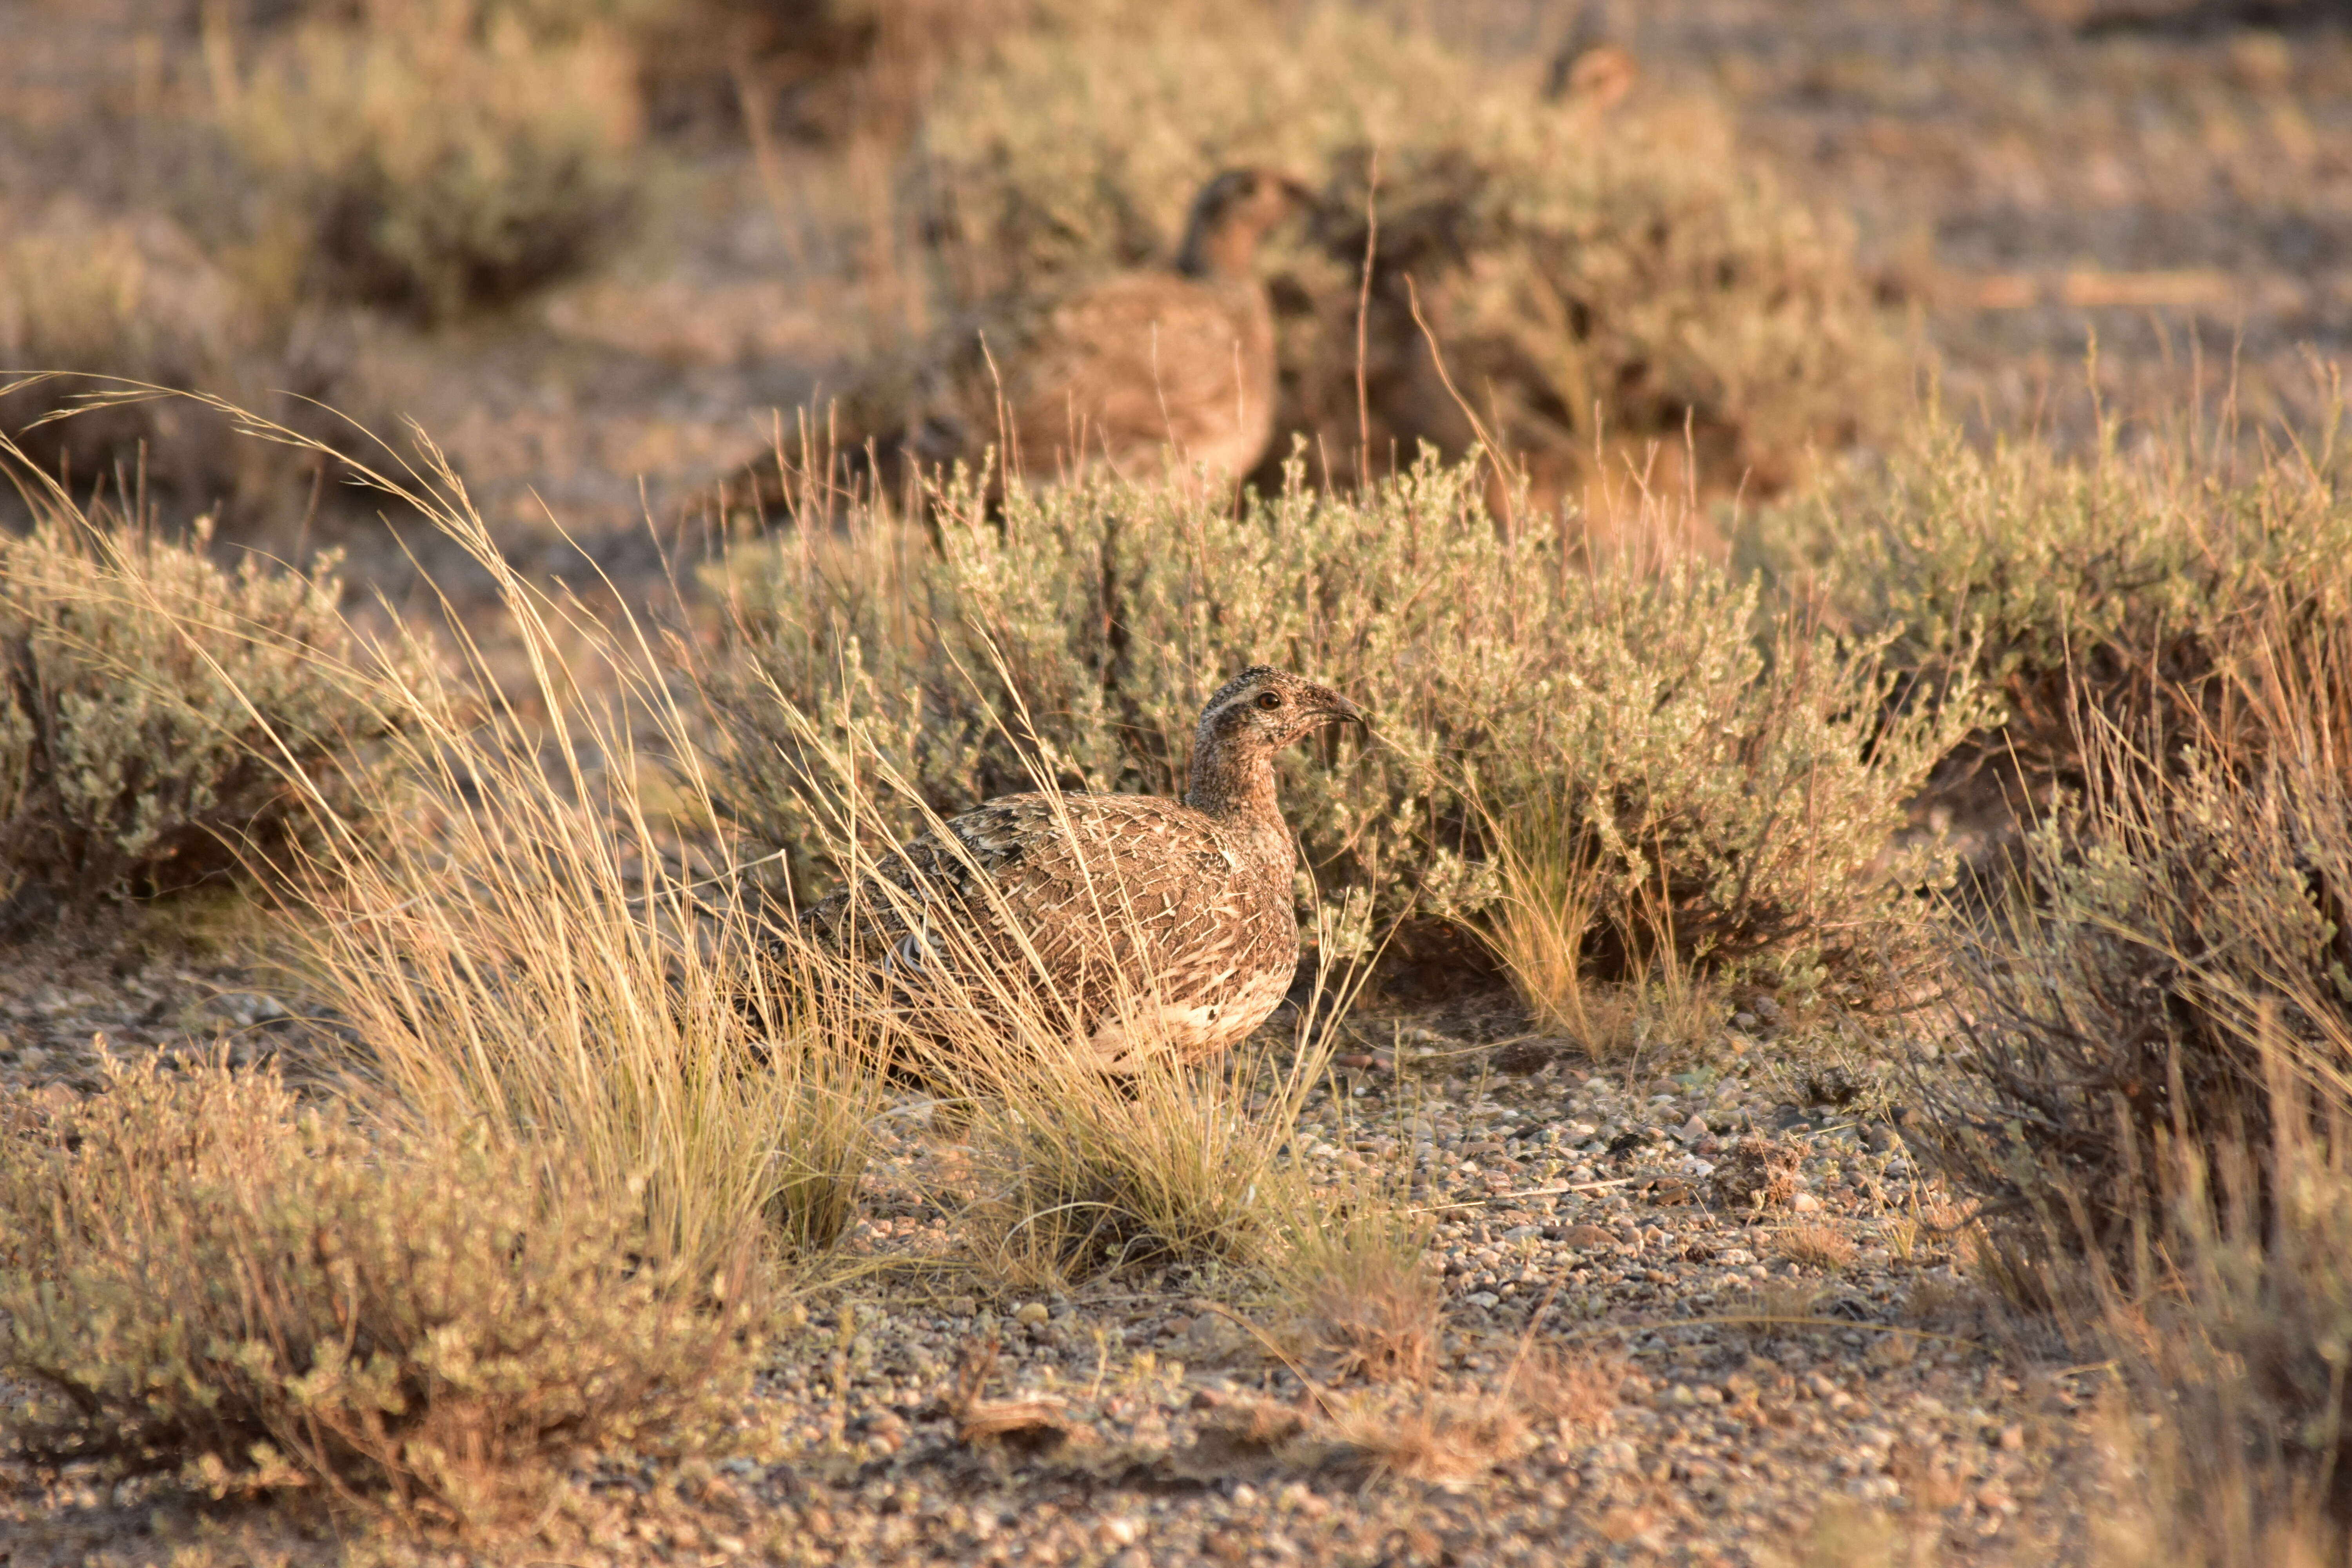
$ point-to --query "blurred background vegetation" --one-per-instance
(597, 243)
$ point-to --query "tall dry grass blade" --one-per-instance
(528, 949)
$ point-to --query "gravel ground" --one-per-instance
(1749, 1345)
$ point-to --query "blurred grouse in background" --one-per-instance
(1152, 922)
(1133, 373)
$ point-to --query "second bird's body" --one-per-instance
(1138, 373)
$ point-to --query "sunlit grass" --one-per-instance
(531, 946)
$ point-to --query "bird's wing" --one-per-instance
(1079, 888)
(1139, 363)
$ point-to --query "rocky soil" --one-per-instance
(1698, 1309)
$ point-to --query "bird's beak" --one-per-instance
(1300, 198)
(1342, 711)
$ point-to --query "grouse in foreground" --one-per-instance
(1152, 922)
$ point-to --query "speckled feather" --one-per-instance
(1143, 365)
(1130, 369)
(1180, 908)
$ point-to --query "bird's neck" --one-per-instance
(1228, 252)
(1238, 791)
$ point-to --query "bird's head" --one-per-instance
(1263, 710)
(1230, 216)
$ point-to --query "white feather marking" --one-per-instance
(1198, 1028)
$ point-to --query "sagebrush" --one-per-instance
(1748, 789)
(208, 1279)
(1588, 277)
(2119, 581)
(109, 307)
(435, 159)
(164, 718)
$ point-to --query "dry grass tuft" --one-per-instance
(522, 948)
(1576, 1391)
(208, 1280)
(1409, 1429)
(2231, 1448)
(2153, 1089)
(1360, 1299)
(1849, 1534)
(539, 954)
(2187, 912)
(1429, 1438)
(1427, 1435)
(2179, 1497)
(1079, 1172)
(1818, 1246)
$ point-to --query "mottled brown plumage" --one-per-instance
(1131, 372)
(1143, 921)
(1138, 373)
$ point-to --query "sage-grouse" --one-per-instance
(1142, 920)
(1126, 373)
(1131, 371)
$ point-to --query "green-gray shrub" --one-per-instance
(1756, 784)
(110, 303)
(158, 711)
(200, 1276)
(2112, 583)
(438, 160)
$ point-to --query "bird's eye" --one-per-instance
(1269, 701)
